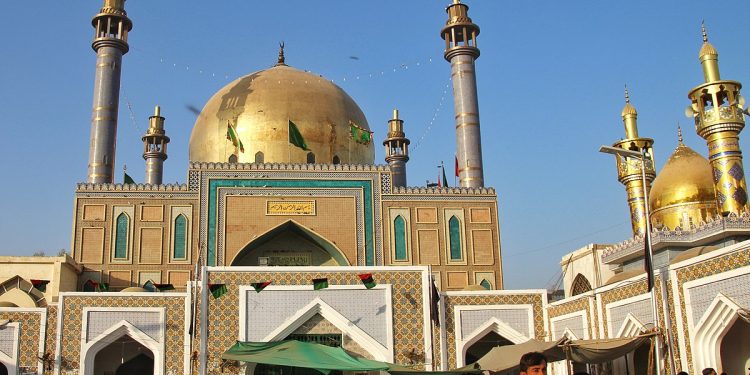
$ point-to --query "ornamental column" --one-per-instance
(110, 43)
(717, 109)
(460, 35)
(155, 148)
(397, 149)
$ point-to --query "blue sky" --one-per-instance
(550, 78)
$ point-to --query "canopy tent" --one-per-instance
(505, 358)
(319, 357)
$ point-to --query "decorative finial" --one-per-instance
(281, 54)
(703, 31)
(679, 134)
(456, 1)
(627, 95)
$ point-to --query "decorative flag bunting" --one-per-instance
(40, 285)
(93, 286)
(103, 287)
(320, 283)
(367, 280)
(127, 179)
(232, 136)
(359, 134)
(260, 286)
(217, 290)
(295, 137)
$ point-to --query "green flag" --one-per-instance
(127, 179)
(367, 280)
(319, 284)
(103, 287)
(260, 286)
(359, 134)
(232, 136)
(295, 137)
(217, 290)
(445, 179)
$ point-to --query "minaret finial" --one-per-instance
(281, 54)
(627, 94)
(679, 134)
(703, 31)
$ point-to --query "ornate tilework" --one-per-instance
(720, 198)
(29, 323)
(736, 172)
(740, 195)
(717, 174)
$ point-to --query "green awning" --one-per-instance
(300, 354)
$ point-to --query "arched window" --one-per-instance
(121, 236)
(259, 158)
(310, 158)
(336, 159)
(486, 284)
(180, 237)
(580, 285)
(454, 238)
(233, 158)
(399, 237)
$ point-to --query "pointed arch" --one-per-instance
(336, 159)
(21, 293)
(259, 157)
(179, 251)
(399, 237)
(630, 327)
(715, 323)
(454, 238)
(580, 285)
(90, 349)
(310, 158)
(492, 325)
(318, 306)
(299, 229)
(486, 284)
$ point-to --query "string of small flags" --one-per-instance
(219, 289)
(435, 113)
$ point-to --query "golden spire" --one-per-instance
(629, 116)
(679, 135)
(281, 55)
(709, 58)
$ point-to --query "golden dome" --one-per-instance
(628, 110)
(707, 49)
(683, 192)
(260, 105)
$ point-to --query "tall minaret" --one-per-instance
(629, 169)
(461, 50)
(110, 43)
(397, 149)
(155, 148)
(717, 109)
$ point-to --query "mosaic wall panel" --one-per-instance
(50, 340)
(73, 311)
(28, 350)
(673, 320)
(737, 288)
(146, 321)
(579, 304)
(477, 300)
(703, 269)
(7, 340)
(640, 310)
(268, 310)
(406, 297)
(518, 319)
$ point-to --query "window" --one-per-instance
(259, 157)
(180, 237)
(486, 284)
(399, 237)
(233, 158)
(121, 236)
(454, 237)
(336, 159)
(310, 158)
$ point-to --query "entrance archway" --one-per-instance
(735, 348)
(482, 346)
(124, 356)
(290, 244)
(3, 369)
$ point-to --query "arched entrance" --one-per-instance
(640, 360)
(480, 348)
(290, 244)
(735, 348)
(124, 356)
(3, 369)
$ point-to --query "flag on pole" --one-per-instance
(260, 286)
(232, 136)
(295, 137)
(359, 134)
(319, 284)
(434, 302)
(40, 285)
(217, 290)
(127, 179)
(149, 285)
(439, 180)
(648, 263)
(102, 287)
(445, 179)
(367, 280)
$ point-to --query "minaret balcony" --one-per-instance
(728, 118)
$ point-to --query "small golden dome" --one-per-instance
(708, 49)
(683, 192)
(260, 105)
(628, 110)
